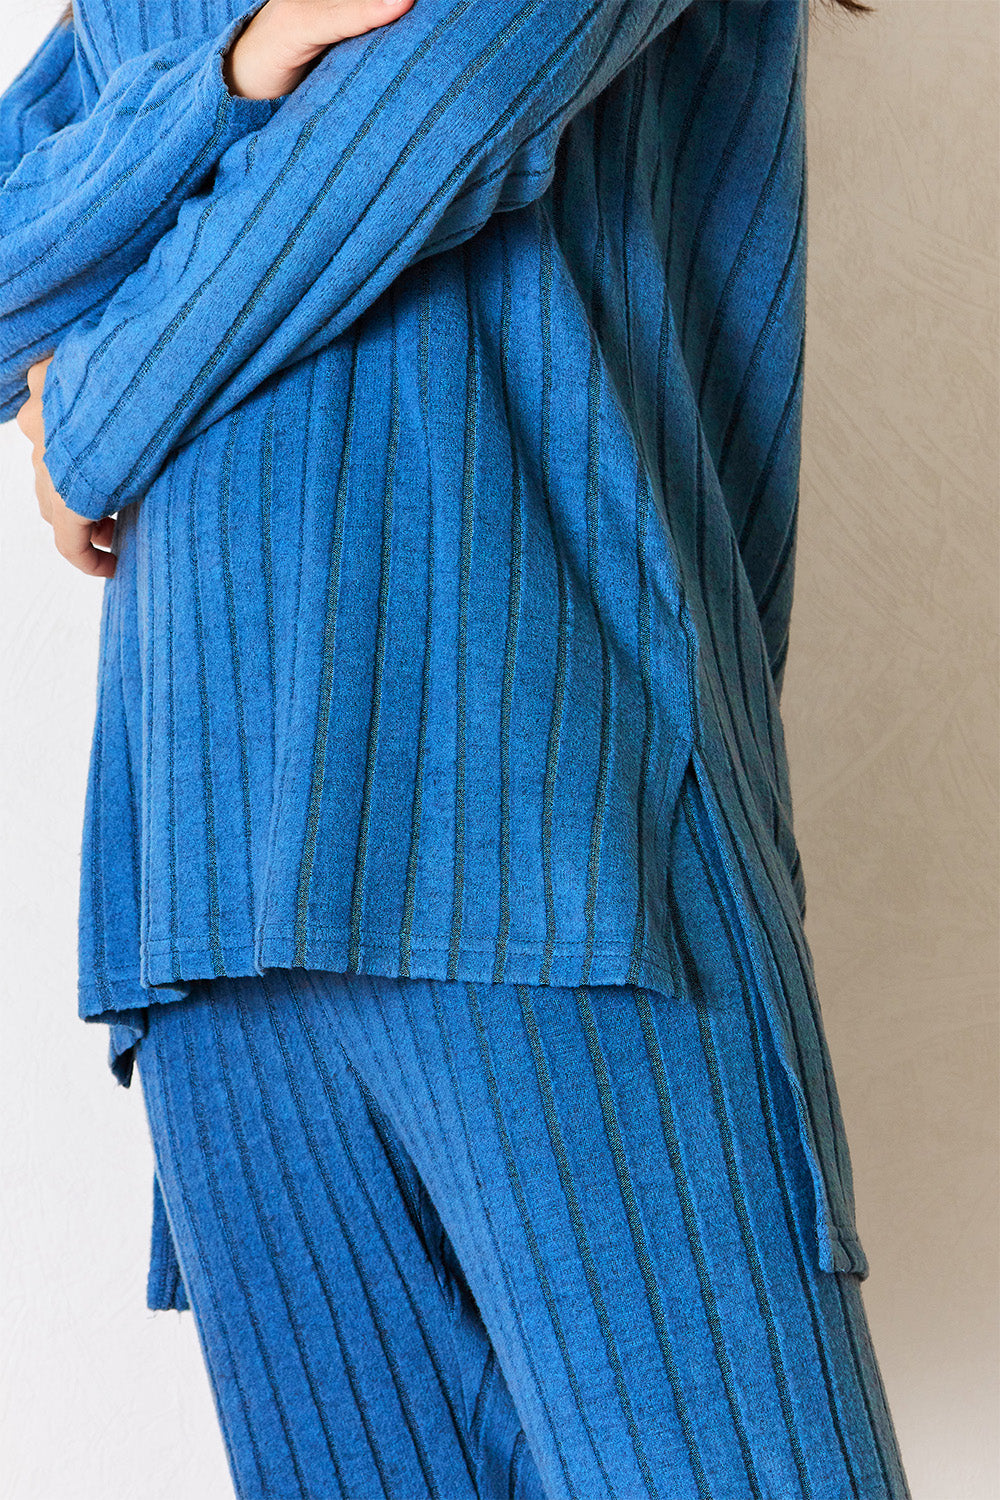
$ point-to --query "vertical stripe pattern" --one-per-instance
(451, 409)
(457, 1239)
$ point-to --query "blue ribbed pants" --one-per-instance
(470, 1240)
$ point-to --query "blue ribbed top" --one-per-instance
(450, 409)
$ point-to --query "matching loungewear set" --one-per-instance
(438, 868)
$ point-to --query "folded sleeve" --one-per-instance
(85, 197)
(44, 96)
(396, 145)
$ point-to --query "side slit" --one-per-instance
(838, 1245)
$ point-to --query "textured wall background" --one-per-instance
(891, 689)
(890, 711)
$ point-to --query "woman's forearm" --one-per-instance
(85, 211)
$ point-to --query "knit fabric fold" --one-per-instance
(84, 208)
(398, 143)
(450, 409)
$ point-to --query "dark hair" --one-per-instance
(856, 7)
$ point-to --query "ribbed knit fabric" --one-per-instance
(450, 408)
(505, 1242)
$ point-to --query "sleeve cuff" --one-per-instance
(70, 483)
(242, 113)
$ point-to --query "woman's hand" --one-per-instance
(76, 537)
(273, 53)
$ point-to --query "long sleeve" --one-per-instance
(397, 145)
(83, 202)
(45, 96)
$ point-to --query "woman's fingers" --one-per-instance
(335, 20)
(79, 539)
(75, 536)
(103, 532)
(272, 55)
(317, 23)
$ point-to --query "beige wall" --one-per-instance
(890, 698)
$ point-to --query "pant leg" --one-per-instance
(345, 1353)
(621, 1177)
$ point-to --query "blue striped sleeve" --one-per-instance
(82, 205)
(44, 96)
(397, 144)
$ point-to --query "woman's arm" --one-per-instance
(44, 97)
(83, 202)
(392, 148)
(267, 73)
(85, 207)
(81, 209)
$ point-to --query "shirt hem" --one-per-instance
(121, 1000)
(168, 968)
